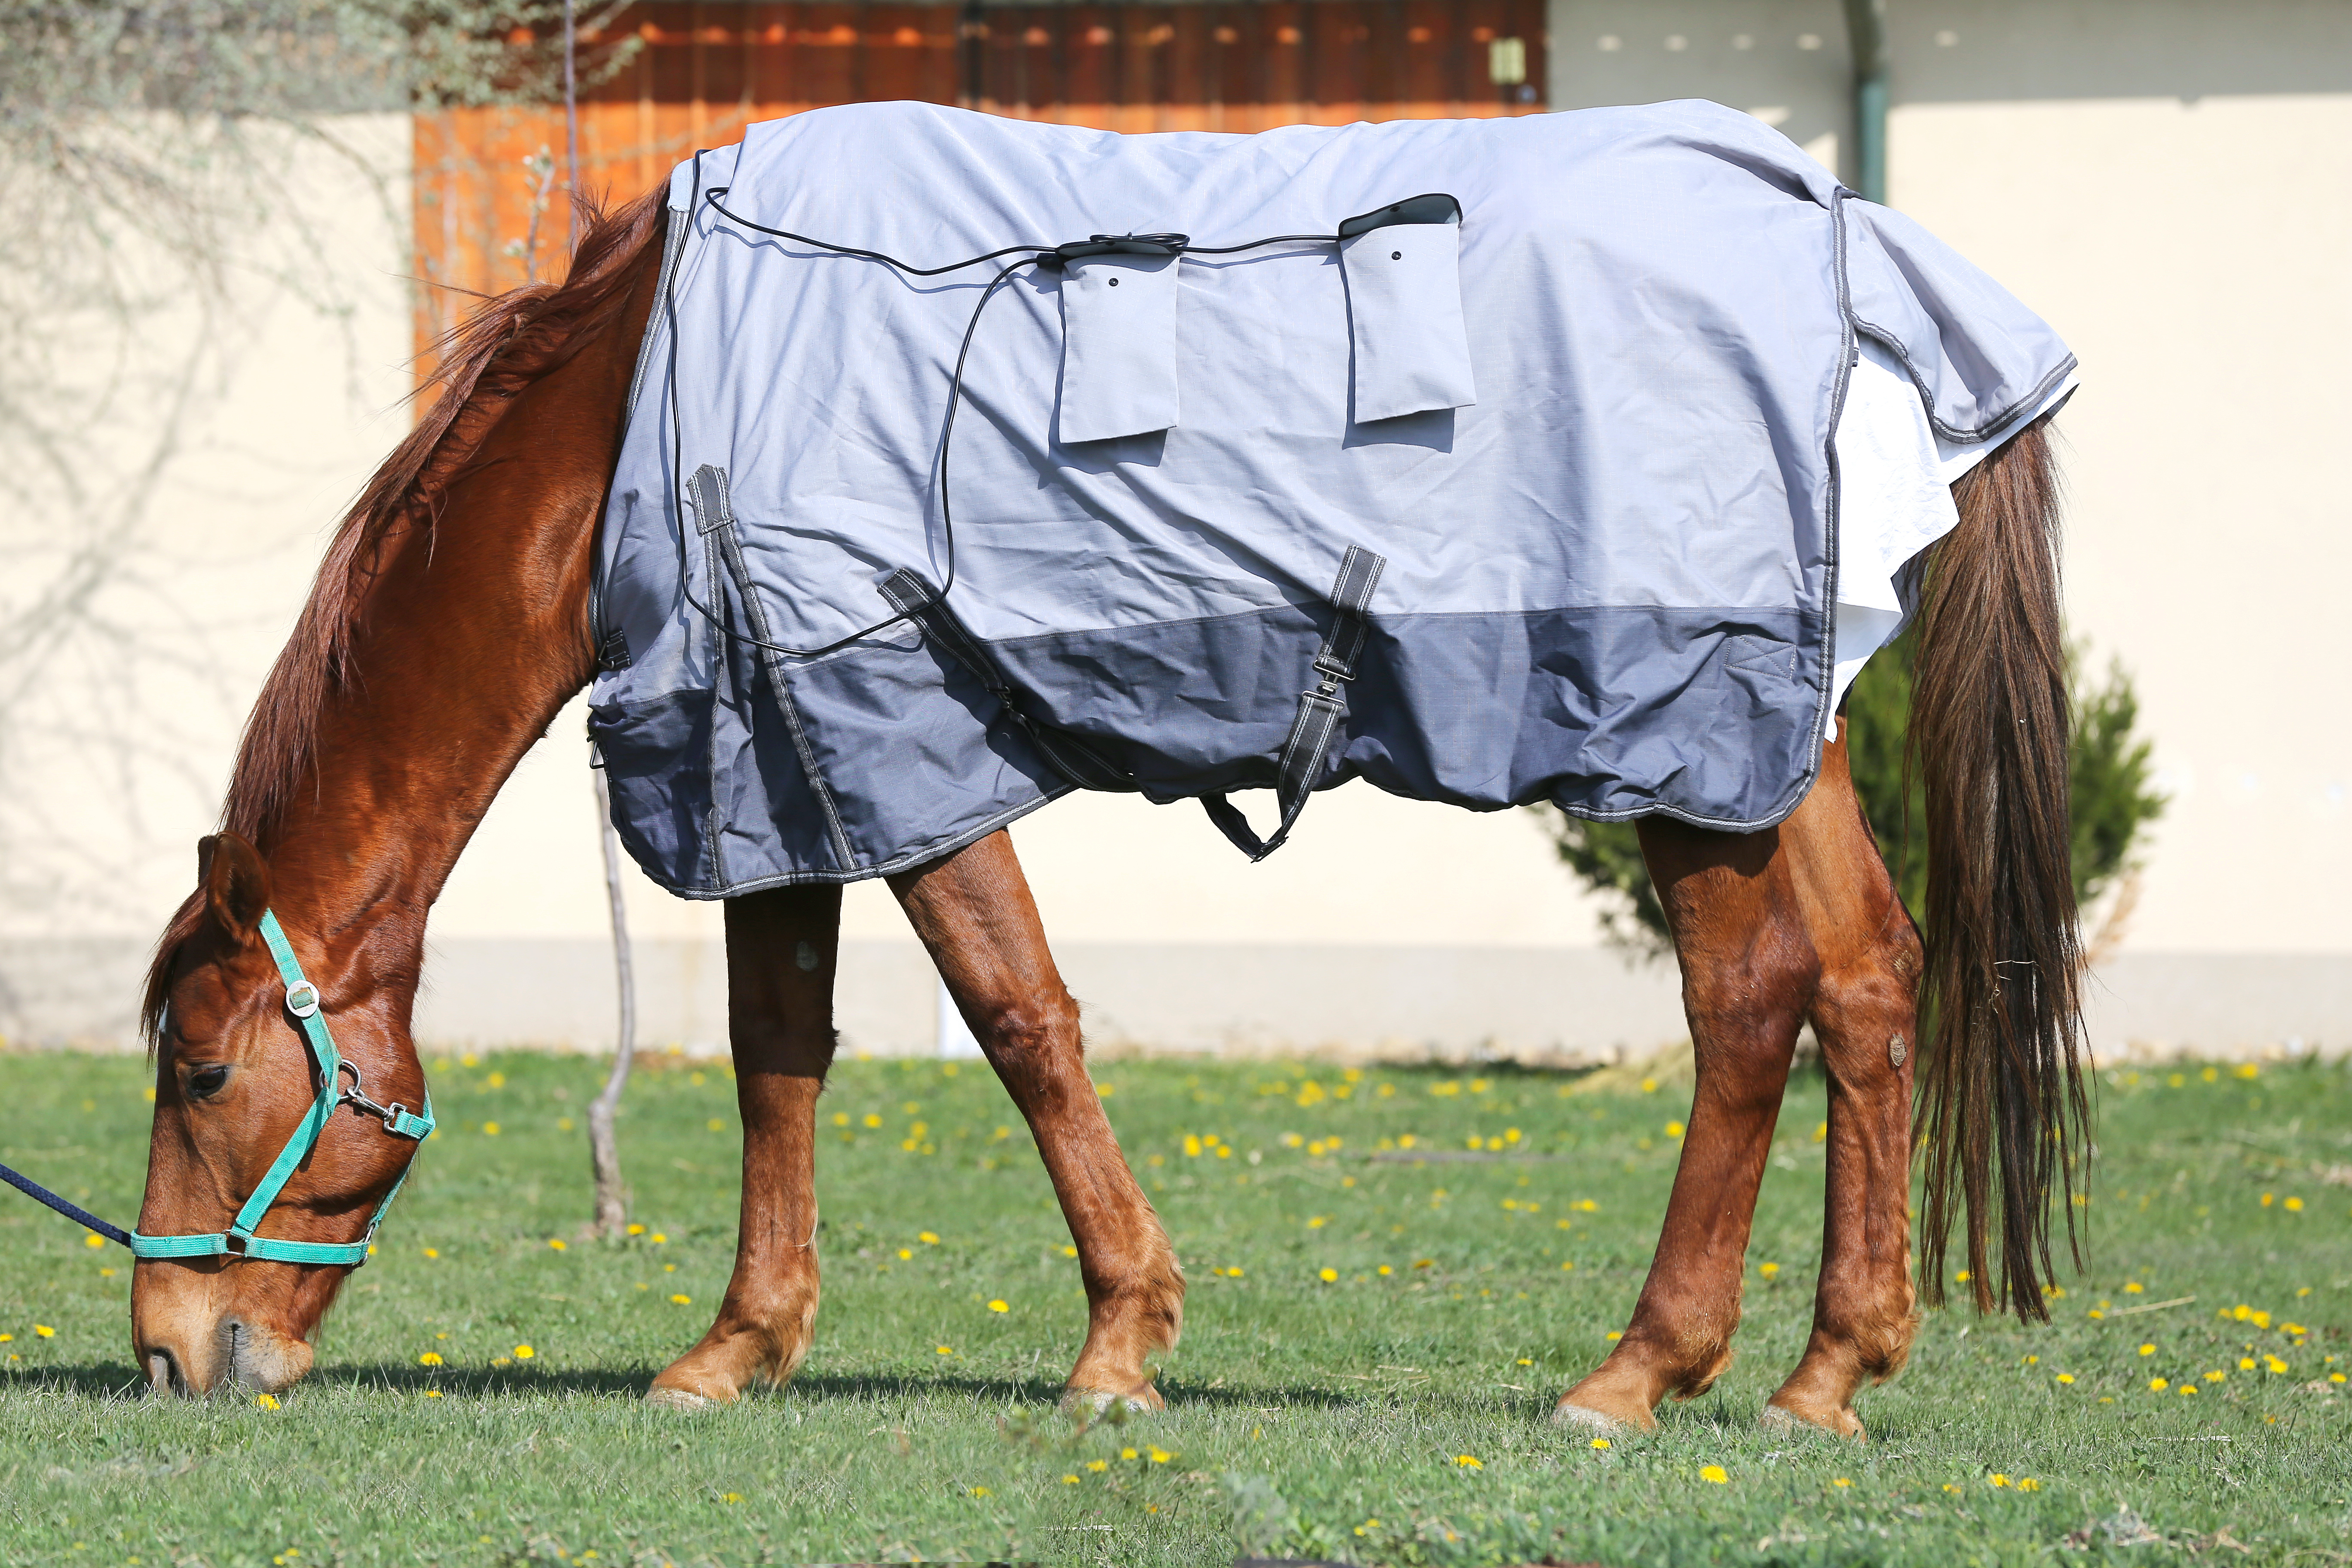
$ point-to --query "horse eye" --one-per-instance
(204, 1082)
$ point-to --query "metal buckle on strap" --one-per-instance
(232, 1244)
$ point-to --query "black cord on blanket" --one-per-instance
(1030, 255)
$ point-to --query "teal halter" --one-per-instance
(239, 1240)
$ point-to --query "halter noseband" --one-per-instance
(303, 1000)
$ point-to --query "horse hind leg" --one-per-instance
(1863, 1012)
(781, 952)
(974, 912)
(1747, 976)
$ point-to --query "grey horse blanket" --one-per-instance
(1509, 477)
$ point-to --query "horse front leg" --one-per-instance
(1865, 1013)
(1747, 974)
(781, 952)
(974, 912)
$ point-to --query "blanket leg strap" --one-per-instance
(1064, 752)
(1320, 709)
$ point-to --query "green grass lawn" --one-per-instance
(1372, 1343)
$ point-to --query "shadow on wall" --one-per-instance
(1787, 61)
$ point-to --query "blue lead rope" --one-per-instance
(239, 1241)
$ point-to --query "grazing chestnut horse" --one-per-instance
(450, 622)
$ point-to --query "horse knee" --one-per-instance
(1028, 1029)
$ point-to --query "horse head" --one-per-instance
(237, 1085)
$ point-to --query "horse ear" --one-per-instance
(235, 885)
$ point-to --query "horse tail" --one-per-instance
(2001, 997)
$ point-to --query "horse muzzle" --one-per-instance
(192, 1343)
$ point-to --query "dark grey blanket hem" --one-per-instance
(922, 855)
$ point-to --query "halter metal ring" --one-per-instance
(302, 998)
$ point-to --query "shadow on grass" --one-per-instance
(124, 1382)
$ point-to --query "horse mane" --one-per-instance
(480, 366)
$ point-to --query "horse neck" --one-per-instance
(469, 638)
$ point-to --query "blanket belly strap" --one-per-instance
(1320, 708)
(1068, 755)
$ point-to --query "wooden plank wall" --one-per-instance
(490, 200)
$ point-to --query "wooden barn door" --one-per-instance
(491, 207)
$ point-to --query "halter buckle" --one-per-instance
(302, 998)
(232, 1244)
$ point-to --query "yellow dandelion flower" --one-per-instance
(2293, 1206)
(267, 1401)
(1525, 1361)
(873, 1120)
(1648, 1086)
(2148, 1350)
(432, 1394)
(906, 1253)
(2274, 1363)
(45, 1332)
(490, 1129)
(524, 1353)
(2065, 1377)
(1386, 1271)
(2188, 1388)
(1841, 1481)
(2249, 1070)
(1068, 1251)
(93, 1239)
(1962, 1277)
(1160, 1456)
(2133, 1288)
(1098, 1465)
(944, 1350)
(1615, 1334)
(2158, 1384)
(1469, 1462)
(1069, 1480)
(1600, 1444)
(2267, 1200)
(2028, 1484)
(2335, 1377)
(1327, 1275)
(683, 1299)
(999, 1305)
(926, 1238)
(1673, 1129)
(1951, 1488)
(1715, 1473)
(1568, 1268)
(732, 1497)
(2216, 1376)
(1126, 1453)
(430, 1358)
(431, 1252)
(2245, 1364)
(555, 1244)
(1998, 1480)
(979, 1491)
(1768, 1269)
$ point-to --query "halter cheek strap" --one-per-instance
(239, 1241)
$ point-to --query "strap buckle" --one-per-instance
(301, 997)
(232, 1244)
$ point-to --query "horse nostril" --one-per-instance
(163, 1374)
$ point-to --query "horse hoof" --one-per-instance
(1091, 1402)
(1779, 1421)
(1578, 1418)
(678, 1399)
